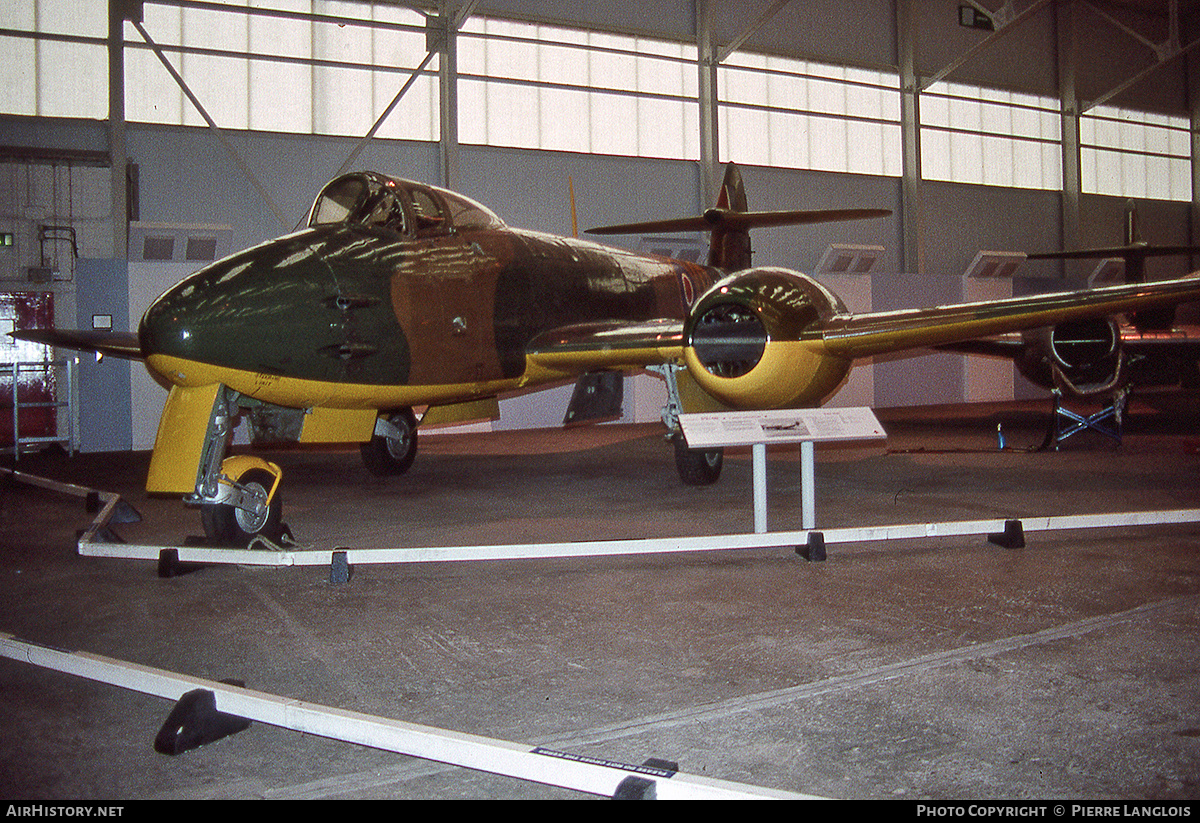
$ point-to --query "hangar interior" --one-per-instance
(142, 138)
(812, 101)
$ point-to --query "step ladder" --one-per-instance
(67, 371)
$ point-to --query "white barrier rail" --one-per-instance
(808, 541)
(535, 764)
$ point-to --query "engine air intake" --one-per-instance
(729, 340)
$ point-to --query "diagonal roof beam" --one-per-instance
(212, 125)
(1165, 51)
(1004, 27)
(737, 42)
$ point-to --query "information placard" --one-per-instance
(745, 428)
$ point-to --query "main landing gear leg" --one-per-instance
(238, 496)
(696, 467)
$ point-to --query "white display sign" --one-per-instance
(714, 429)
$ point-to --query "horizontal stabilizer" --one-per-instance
(741, 220)
(1134, 250)
(113, 344)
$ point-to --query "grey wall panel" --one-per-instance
(1023, 59)
(104, 404)
(531, 190)
(186, 176)
(1108, 57)
(665, 18)
(961, 220)
(53, 132)
(860, 33)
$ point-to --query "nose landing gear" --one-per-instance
(246, 504)
(237, 496)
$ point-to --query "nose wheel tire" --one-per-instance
(392, 453)
(227, 524)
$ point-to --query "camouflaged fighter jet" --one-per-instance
(400, 295)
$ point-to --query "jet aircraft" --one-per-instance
(399, 295)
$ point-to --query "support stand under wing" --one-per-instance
(1107, 421)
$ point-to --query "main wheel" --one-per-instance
(229, 525)
(394, 453)
(698, 467)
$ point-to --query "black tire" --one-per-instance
(230, 526)
(387, 456)
(698, 467)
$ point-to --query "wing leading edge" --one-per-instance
(864, 335)
(112, 344)
(619, 344)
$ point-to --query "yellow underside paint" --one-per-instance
(470, 412)
(175, 462)
(791, 374)
(324, 425)
(566, 364)
(311, 394)
(693, 398)
(306, 394)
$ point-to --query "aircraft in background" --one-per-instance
(400, 295)
(1103, 357)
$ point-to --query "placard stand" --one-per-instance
(758, 429)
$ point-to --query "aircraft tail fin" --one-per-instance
(730, 222)
(729, 244)
(1133, 254)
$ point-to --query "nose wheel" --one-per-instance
(244, 508)
(697, 467)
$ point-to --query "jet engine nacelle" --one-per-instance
(1079, 356)
(747, 340)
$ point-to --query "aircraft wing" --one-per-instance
(965, 327)
(612, 344)
(1182, 342)
(112, 344)
(864, 335)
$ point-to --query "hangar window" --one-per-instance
(548, 87)
(973, 134)
(65, 75)
(1135, 154)
(331, 66)
(803, 114)
(297, 66)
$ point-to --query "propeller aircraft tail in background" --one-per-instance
(1109, 356)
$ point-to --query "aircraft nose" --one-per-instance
(241, 312)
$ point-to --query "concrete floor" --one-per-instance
(941, 668)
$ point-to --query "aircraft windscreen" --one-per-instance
(338, 201)
(467, 214)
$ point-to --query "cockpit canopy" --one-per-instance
(372, 199)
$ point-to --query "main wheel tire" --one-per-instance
(698, 467)
(228, 525)
(387, 456)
